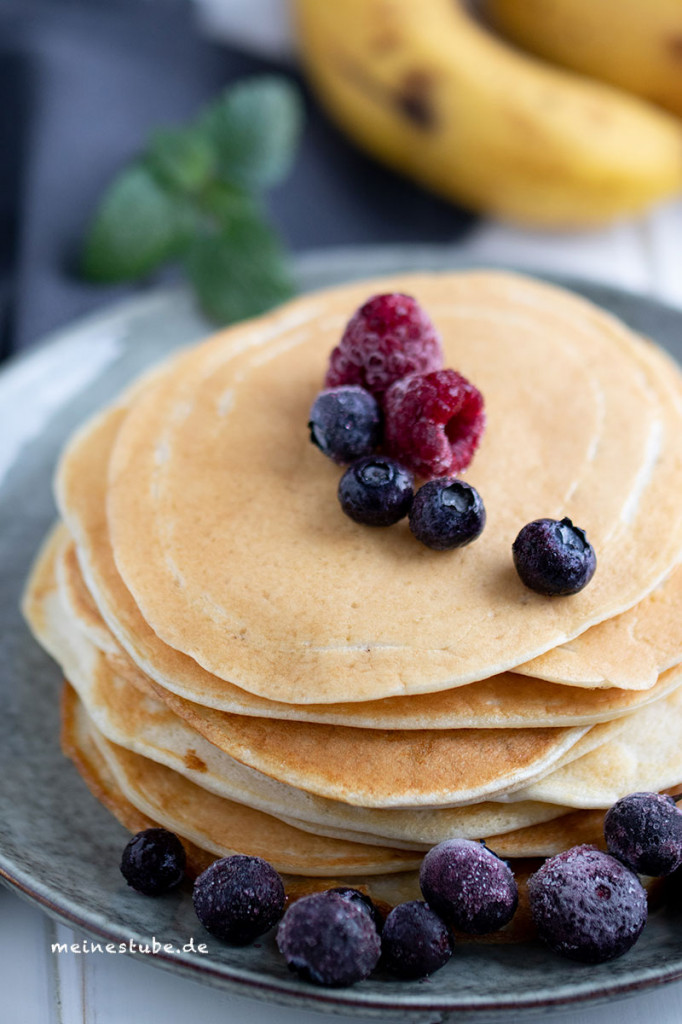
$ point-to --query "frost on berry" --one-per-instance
(434, 422)
(387, 338)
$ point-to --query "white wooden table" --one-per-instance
(38, 987)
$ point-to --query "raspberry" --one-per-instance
(386, 339)
(434, 422)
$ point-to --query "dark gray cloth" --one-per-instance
(82, 84)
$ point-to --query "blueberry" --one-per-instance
(415, 941)
(644, 830)
(329, 939)
(376, 491)
(345, 423)
(554, 558)
(469, 886)
(447, 513)
(363, 901)
(586, 905)
(153, 862)
(238, 898)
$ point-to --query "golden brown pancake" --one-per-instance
(215, 444)
(368, 767)
(505, 700)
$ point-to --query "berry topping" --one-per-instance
(447, 514)
(554, 558)
(238, 898)
(345, 423)
(329, 939)
(469, 886)
(363, 901)
(434, 422)
(644, 830)
(586, 905)
(153, 862)
(376, 491)
(415, 941)
(387, 338)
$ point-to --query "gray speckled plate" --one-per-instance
(61, 848)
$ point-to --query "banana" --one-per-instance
(634, 44)
(425, 88)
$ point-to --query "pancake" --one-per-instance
(147, 727)
(385, 889)
(188, 464)
(188, 810)
(81, 488)
(368, 767)
(629, 650)
(223, 828)
(505, 700)
(646, 755)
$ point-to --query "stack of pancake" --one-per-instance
(253, 670)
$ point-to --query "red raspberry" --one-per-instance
(434, 422)
(386, 339)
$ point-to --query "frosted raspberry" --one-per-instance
(386, 339)
(434, 422)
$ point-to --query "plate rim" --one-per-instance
(313, 263)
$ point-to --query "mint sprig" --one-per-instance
(194, 195)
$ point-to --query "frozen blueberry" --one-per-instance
(329, 939)
(469, 886)
(415, 941)
(447, 513)
(238, 898)
(153, 862)
(363, 901)
(345, 423)
(644, 830)
(586, 905)
(376, 491)
(554, 558)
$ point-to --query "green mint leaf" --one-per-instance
(180, 158)
(255, 127)
(240, 271)
(223, 204)
(138, 227)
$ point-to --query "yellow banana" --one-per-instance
(426, 89)
(634, 44)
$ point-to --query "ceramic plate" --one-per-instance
(61, 848)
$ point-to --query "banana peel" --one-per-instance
(431, 92)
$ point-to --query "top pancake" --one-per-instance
(226, 530)
(640, 642)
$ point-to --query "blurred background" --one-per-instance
(409, 136)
